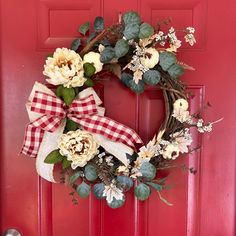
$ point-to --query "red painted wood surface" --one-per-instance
(203, 204)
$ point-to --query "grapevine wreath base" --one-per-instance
(68, 126)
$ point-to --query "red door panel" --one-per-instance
(203, 204)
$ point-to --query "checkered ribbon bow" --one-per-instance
(82, 111)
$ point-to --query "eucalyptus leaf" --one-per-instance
(66, 163)
(148, 170)
(83, 190)
(53, 157)
(151, 77)
(98, 24)
(90, 173)
(83, 29)
(75, 44)
(107, 54)
(75, 176)
(91, 36)
(145, 31)
(89, 69)
(125, 182)
(167, 59)
(157, 187)
(175, 71)
(68, 95)
(116, 203)
(131, 31)
(98, 190)
(121, 48)
(137, 88)
(142, 191)
(126, 78)
(131, 17)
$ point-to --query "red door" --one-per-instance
(204, 204)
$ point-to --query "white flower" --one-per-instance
(111, 191)
(101, 48)
(94, 59)
(78, 146)
(65, 67)
(137, 76)
(148, 151)
(180, 110)
(171, 152)
(150, 58)
(190, 30)
(180, 104)
(189, 38)
(124, 170)
(174, 45)
(181, 115)
(183, 139)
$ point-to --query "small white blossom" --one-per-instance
(189, 38)
(112, 192)
(148, 151)
(183, 139)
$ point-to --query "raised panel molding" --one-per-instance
(183, 13)
(58, 21)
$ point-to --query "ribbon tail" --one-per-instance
(48, 144)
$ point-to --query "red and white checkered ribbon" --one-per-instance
(82, 111)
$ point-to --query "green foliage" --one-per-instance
(98, 24)
(126, 78)
(83, 29)
(125, 182)
(66, 163)
(75, 44)
(53, 157)
(121, 48)
(71, 125)
(137, 88)
(142, 191)
(59, 91)
(148, 170)
(107, 54)
(131, 31)
(116, 203)
(167, 59)
(75, 176)
(175, 71)
(151, 77)
(68, 95)
(89, 69)
(89, 82)
(131, 17)
(90, 173)
(157, 187)
(98, 190)
(83, 190)
(145, 31)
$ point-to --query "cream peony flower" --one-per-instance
(94, 59)
(171, 152)
(78, 146)
(65, 67)
(111, 191)
(150, 59)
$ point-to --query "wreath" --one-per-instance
(68, 126)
